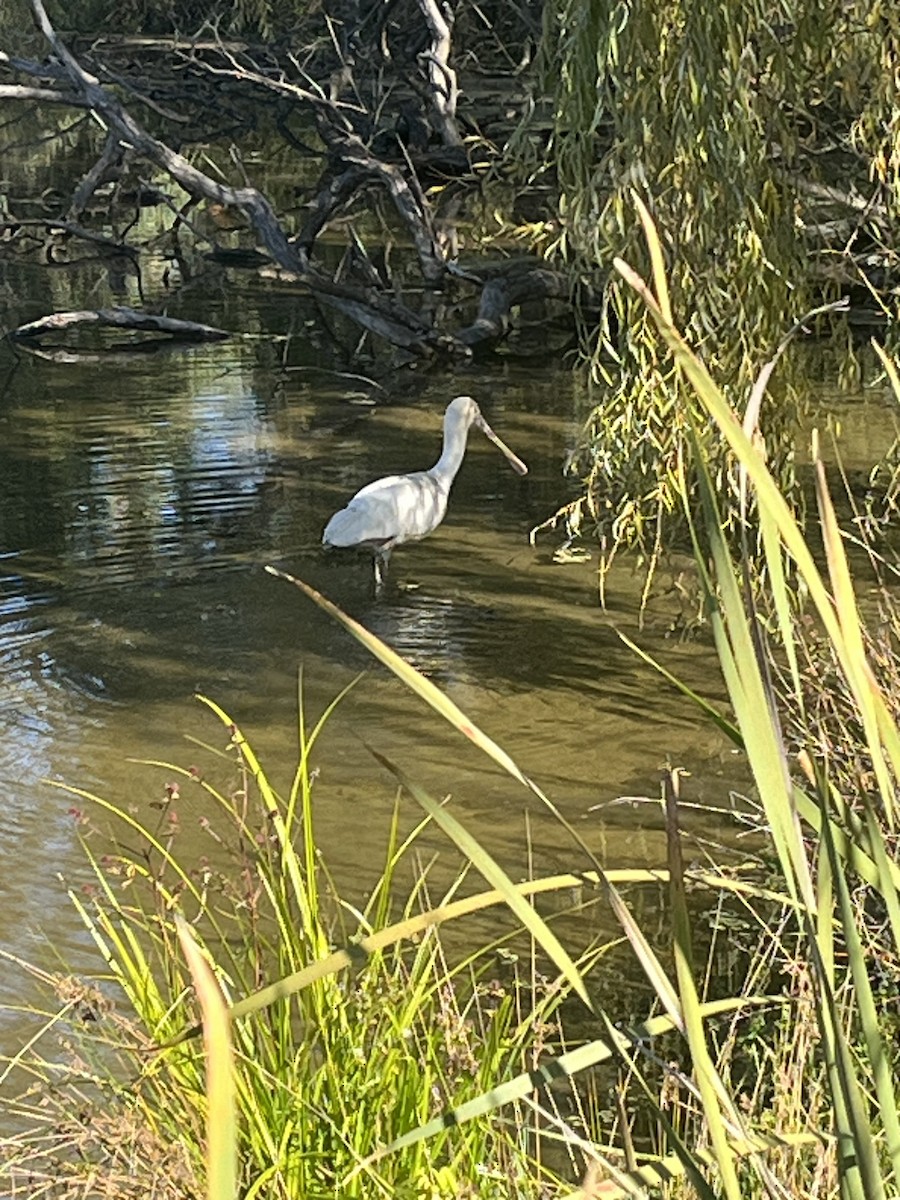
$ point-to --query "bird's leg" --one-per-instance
(382, 558)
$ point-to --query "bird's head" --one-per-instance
(464, 411)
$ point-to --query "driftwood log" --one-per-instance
(118, 318)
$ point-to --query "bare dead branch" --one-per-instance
(362, 166)
(16, 91)
(109, 162)
(388, 318)
(337, 132)
(441, 76)
(118, 318)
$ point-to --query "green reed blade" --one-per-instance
(221, 1117)
(495, 875)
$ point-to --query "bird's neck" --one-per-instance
(444, 470)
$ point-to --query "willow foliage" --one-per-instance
(725, 119)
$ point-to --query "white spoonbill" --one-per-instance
(404, 508)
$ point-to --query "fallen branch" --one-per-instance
(512, 286)
(387, 317)
(118, 318)
(361, 166)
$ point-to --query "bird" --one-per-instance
(404, 508)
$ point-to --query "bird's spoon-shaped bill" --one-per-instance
(515, 462)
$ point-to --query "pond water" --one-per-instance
(140, 497)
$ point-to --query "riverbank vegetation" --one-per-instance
(374, 1053)
(766, 143)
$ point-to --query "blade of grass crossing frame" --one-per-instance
(657, 263)
(751, 703)
(497, 877)
(221, 1116)
(646, 956)
(356, 954)
(771, 542)
(442, 704)
(410, 676)
(727, 727)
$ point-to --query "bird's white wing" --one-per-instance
(399, 508)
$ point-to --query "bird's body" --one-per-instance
(404, 508)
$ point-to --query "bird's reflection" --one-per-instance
(446, 638)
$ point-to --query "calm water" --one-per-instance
(140, 497)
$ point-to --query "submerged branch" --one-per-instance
(514, 285)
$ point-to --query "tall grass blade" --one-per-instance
(221, 1093)
(646, 956)
(411, 677)
(753, 705)
(881, 1058)
(495, 875)
(712, 1090)
(657, 263)
(727, 727)
(442, 704)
